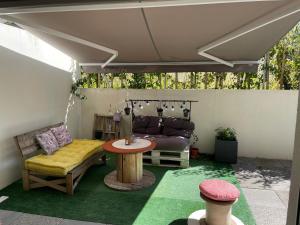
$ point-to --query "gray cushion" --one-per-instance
(178, 127)
(146, 125)
(171, 143)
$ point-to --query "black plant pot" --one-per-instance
(226, 151)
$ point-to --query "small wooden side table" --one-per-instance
(106, 125)
(129, 174)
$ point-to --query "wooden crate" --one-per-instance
(167, 158)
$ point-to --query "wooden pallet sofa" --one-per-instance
(64, 168)
(172, 136)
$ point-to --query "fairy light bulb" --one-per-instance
(147, 103)
(172, 108)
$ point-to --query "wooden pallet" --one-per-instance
(167, 158)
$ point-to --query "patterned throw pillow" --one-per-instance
(48, 142)
(62, 135)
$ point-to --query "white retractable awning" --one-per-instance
(169, 35)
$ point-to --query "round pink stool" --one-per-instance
(219, 196)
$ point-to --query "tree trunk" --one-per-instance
(244, 81)
(221, 80)
(266, 84)
(160, 80)
(205, 80)
(238, 81)
(112, 82)
(216, 81)
(165, 84)
(282, 71)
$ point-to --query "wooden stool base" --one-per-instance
(147, 180)
(198, 218)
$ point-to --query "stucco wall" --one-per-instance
(264, 120)
(32, 95)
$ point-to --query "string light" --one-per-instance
(172, 108)
(147, 103)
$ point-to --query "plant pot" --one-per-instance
(194, 153)
(226, 151)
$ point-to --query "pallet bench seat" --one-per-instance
(167, 158)
(172, 136)
(64, 168)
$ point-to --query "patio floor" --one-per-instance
(265, 184)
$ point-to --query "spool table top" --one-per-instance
(138, 146)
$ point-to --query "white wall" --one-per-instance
(32, 95)
(264, 120)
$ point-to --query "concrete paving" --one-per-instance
(17, 218)
(265, 184)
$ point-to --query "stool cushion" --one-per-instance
(219, 190)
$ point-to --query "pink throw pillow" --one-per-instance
(62, 135)
(48, 142)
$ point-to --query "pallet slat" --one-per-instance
(167, 158)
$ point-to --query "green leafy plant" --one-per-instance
(75, 89)
(226, 134)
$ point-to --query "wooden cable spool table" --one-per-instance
(129, 174)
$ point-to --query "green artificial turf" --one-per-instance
(173, 197)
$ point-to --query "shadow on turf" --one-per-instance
(179, 222)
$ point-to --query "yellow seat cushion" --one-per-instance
(65, 159)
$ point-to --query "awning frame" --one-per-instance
(108, 5)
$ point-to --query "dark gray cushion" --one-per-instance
(146, 125)
(171, 143)
(178, 127)
(140, 124)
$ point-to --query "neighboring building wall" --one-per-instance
(264, 120)
(32, 95)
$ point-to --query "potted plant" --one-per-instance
(226, 145)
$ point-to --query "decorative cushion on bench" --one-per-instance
(146, 125)
(178, 127)
(48, 142)
(65, 159)
(62, 135)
